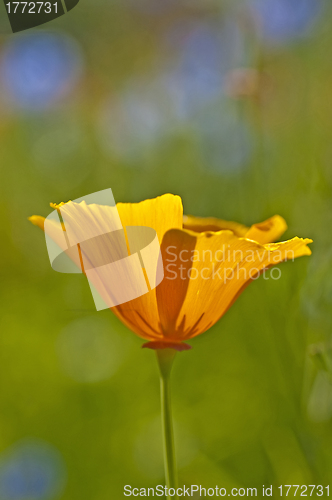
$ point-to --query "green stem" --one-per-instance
(165, 360)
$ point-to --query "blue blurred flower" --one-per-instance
(154, 108)
(40, 68)
(283, 20)
(31, 470)
(134, 121)
(207, 52)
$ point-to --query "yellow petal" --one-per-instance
(162, 213)
(204, 224)
(263, 232)
(57, 206)
(267, 231)
(206, 272)
(37, 220)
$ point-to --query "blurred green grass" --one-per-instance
(241, 395)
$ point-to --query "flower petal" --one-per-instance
(267, 231)
(262, 232)
(206, 272)
(162, 213)
(37, 220)
(204, 224)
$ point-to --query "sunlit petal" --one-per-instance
(205, 272)
(203, 224)
(162, 214)
(207, 265)
(267, 231)
(262, 232)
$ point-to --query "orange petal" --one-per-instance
(205, 273)
(162, 213)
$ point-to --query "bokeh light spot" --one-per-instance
(40, 68)
(90, 350)
(31, 470)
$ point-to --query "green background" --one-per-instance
(253, 398)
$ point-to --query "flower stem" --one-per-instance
(165, 361)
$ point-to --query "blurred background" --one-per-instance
(228, 104)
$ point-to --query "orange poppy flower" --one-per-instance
(208, 262)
